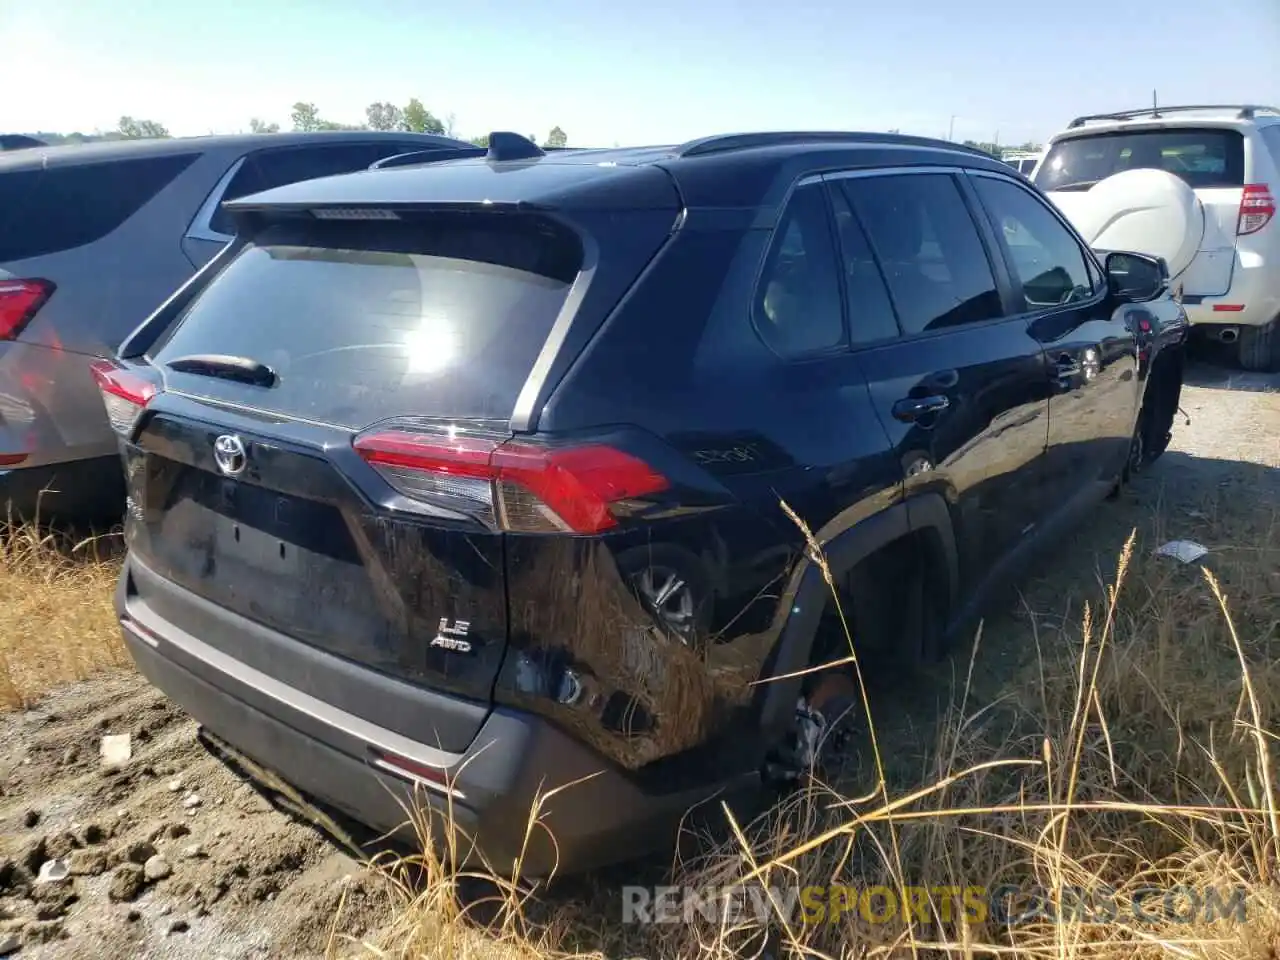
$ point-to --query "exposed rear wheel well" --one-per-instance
(894, 602)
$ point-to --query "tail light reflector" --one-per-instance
(20, 300)
(124, 394)
(1257, 207)
(519, 486)
(432, 777)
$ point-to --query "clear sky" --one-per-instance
(651, 71)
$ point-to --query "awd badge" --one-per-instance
(452, 636)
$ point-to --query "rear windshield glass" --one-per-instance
(366, 320)
(1202, 158)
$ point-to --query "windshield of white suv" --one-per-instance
(1209, 157)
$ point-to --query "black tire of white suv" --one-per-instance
(1260, 347)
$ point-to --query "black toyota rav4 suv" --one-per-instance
(465, 478)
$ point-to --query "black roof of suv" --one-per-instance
(733, 170)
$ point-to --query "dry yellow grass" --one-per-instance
(56, 620)
(1130, 749)
(1130, 744)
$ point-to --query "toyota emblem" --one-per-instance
(230, 455)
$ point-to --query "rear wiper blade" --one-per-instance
(240, 369)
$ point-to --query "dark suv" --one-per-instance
(466, 478)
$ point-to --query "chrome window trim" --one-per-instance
(914, 169)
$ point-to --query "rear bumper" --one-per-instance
(1255, 290)
(87, 490)
(334, 756)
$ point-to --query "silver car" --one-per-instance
(94, 237)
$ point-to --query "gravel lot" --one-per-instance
(173, 856)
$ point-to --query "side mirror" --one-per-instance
(1136, 277)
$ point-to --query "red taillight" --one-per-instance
(1257, 207)
(521, 486)
(20, 300)
(125, 395)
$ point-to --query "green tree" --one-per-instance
(384, 116)
(306, 117)
(418, 119)
(261, 126)
(481, 141)
(132, 129)
(556, 138)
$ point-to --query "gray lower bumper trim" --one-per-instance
(376, 737)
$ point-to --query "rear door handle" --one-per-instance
(911, 409)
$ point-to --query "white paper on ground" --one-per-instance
(1188, 551)
(116, 750)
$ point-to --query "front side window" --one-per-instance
(797, 308)
(1046, 258)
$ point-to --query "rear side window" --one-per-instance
(929, 249)
(798, 309)
(870, 311)
(367, 320)
(275, 168)
(66, 206)
(1202, 158)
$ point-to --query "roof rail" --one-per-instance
(1242, 111)
(504, 145)
(430, 155)
(721, 143)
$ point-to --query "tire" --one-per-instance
(1260, 347)
(1137, 458)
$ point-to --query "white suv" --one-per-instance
(1230, 157)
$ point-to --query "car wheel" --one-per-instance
(1260, 347)
(671, 584)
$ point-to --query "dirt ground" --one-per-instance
(172, 855)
